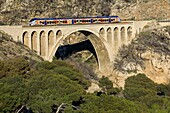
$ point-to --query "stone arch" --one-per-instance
(58, 34)
(51, 40)
(43, 45)
(109, 35)
(25, 38)
(34, 41)
(129, 33)
(116, 37)
(102, 33)
(122, 30)
(100, 49)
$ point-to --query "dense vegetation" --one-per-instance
(47, 87)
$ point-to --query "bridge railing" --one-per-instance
(164, 20)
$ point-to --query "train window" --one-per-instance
(112, 19)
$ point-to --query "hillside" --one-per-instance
(10, 49)
(20, 12)
(148, 53)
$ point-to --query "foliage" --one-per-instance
(44, 86)
(165, 89)
(61, 67)
(46, 91)
(39, 92)
(109, 104)
(17, 66)
(142, 90)
(107, 86)
(39, 86)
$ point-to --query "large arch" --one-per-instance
(122, 30)
(25, 38)
(129, 33)
(34, 41)
(51, 40)
(116, 37)
(109, 35)
(43, 47)
(100, 48)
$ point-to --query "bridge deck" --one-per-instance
(116, 23)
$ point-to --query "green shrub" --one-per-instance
(110, 104)
(107, 86)
(142, 90)
(16, 66)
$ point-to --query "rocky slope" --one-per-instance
(149, 53)
(20, 11)
(144, 10)
(10, 49)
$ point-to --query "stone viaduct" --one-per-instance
(105, 38)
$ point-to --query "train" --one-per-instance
(72, 21)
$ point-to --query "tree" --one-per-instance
(142, 90)
(107, 86)
(109, 104)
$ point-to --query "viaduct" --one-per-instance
(105, 38)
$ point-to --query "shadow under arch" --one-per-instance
(25, 38)
(129, 33)
(99, 47)
(34, 41)
(51, 39)
(122, 32)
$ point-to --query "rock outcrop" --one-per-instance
(149, 53)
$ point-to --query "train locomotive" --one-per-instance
(72, 21)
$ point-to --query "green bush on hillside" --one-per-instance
(107, 86)
(17, 66)
(61, 67)
(142, 90)
(109, 104)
